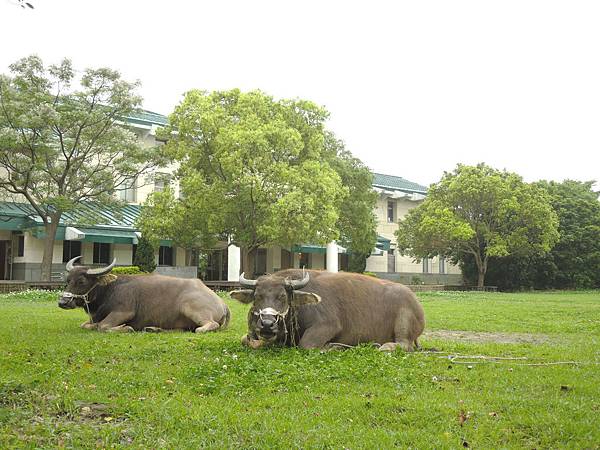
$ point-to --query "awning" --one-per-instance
(383, 243)
(309, 248)
(314, 248)
(101, 235)
(11, 223)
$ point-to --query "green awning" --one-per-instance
(107, 236)
(166, 243)
(11, 223)
(39, 232)
(309, 248)
(383, 243)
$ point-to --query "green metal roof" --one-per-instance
(145, 117)
(87, 214)
(397, 184)
(114, 225)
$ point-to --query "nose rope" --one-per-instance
(282, 316)
(85, 298)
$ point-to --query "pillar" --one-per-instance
(332, 257)
(233, 263)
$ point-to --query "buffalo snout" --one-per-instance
(66, 301)
(268, 326)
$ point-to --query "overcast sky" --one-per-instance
(413, 87)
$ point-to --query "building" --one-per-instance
(113, 235)
(396, 197)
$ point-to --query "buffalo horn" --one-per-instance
(247, 283)
(102, 270)
(298, 284)
(70, 263)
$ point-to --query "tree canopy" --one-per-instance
(479, 212)
(259, 171)
(61, 143)
(574, 260)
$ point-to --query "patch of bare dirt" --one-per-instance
(485, 336)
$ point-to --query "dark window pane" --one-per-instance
(71, 249)
(260, 262)
(21, 245)
(390, 211)
(165, 256)
(101, 253)
(286, 259)
(304, 261)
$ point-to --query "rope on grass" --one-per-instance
(456, 358)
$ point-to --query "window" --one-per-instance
(101, 253)
(214, 265)
(442, 265)
(133, 252)
(161, 181)
(71, 249)
(390, 212)
(304, 260)
(20, 245)
(343, 262)
(286, 259)
(129, 194)
(425, 265)
(260, 262)
(165, 256)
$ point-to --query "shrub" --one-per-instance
(144, 256)
(127, 270)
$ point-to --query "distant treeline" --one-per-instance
(573, 263)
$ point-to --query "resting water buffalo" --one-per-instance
(332, 308)
(146, 302)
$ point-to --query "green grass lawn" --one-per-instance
(61, 386)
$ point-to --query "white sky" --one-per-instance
(413, 87)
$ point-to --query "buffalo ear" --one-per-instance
(305, 298)
(243, 295)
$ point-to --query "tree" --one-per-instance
(61, 146)
(254, 170)
(144, 255)
(357, 222)
(574, 261)
(480, 212)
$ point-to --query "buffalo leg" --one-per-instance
(202, 319)
(116, 321)
(391, 346)
(89, 325)
(318, 336)
(121, 329)
(208, 326)
(403, 329)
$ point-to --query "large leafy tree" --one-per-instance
(252, 169)
(479, 212)
(61, 143)
(357, 222)
(574, 261)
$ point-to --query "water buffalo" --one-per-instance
(142, 302)
(331, 308)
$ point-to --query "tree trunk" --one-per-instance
(248, 263)
(480, 278)
(481, 269)
(50, 229)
